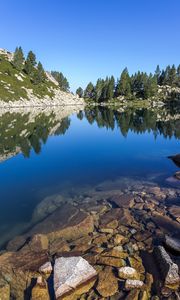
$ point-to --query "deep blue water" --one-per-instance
(85, 154)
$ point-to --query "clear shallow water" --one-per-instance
(61, 150)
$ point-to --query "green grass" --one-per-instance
(11, 88)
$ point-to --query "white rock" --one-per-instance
(127, 273)
(70, 272)
(46, 268)
(131, 284)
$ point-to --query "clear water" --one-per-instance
(57, 151)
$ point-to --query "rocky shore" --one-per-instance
(117, 240)
(60, 98)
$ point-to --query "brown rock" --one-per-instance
(66, 222)
(111, 261)
(16, 243)
(120, 214)
(38, 243)
(119, 239)
(165, 223)
(125, 200)
(136, 263)
(174, 210)
(115, 252)
(58, 245)
(4, 290)
(40, 290)
(133, 295)
(107, 283)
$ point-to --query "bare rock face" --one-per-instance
(126, 200)
(67, 222)
(70, 273)
(172, 243)
(168, 268)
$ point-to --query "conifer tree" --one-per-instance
(80, 92)
(89, 91)
(18, 58)
(30, 63)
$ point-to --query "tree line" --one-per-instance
(139, 85)
(35, 69)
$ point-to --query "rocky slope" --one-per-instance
(17, 90)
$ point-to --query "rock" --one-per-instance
(111, 261)
(136, 263)
(58, 246)
(128, 273)
(66, 222)
(172, 243)
(168, 269)
(120, 214)
(177, 175)
(38, 243)
(107, 283)
(133, 295)
(16, 243)
(125, 200)
(4, 290)
(115, 252)
(119, 239)
(174, 210)
(71, 272)
(175, 159)
(46, 268)
(166, 223)
(40, 290)
(133, 284)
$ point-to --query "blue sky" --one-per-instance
(87, 39)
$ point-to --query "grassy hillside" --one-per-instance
(13, 83)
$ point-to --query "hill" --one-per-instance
(21, 87)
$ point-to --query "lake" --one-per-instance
(61, 150)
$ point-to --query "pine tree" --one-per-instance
(123, 87)
(62, 80)
(158, 73)
(89, 91)
(18, 58)
(110, 88)
(178, 76)
(38, 76)
(172, 76)
(80, 92)
(30, 63)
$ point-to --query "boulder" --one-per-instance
(174, 210)
(111, 261)
(70, 273)
(125, 200)
(166, 223)
(172, 243)
(107, 283)
(46, 268)
(66, 222)
(168, 269)
(175, 159)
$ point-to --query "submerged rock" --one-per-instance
(168, 268)
(125, 201)
(67, 222)
(107, 283)
(175, 159)
(70, 273)
(172, 243)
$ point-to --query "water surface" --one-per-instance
(60, 150)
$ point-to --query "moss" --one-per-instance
(12, 89)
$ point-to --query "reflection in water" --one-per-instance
(26, 130)
(163, 121)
